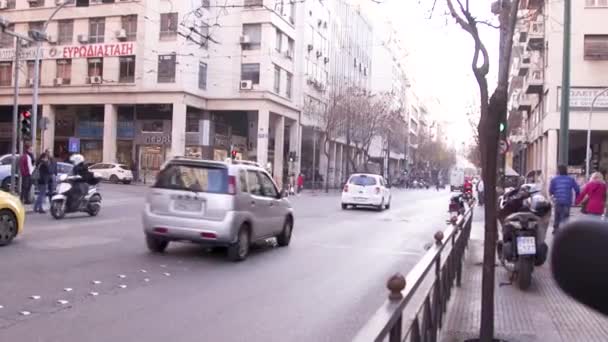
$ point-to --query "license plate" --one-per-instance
(526, 245)
(189, 206)
(360, 199)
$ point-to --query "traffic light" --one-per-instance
(26, 124)
(233, 153)
(501, 127)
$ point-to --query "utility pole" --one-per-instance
(15, 117)
(564, 124)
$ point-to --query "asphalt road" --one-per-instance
(92, 279)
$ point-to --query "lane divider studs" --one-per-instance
(35, 297)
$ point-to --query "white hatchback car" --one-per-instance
(366, 190)
(115, 173)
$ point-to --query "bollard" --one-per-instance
(396, 284)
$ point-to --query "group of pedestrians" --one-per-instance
(565, 191)
(40, 173)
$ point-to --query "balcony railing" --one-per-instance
(417, 303)
(524, 64)
(525, 102)
(536, 35)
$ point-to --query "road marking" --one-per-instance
(71, 242)
(35, 297)
(367, 249)
(62, 302)
(25, 313)
(77, 224)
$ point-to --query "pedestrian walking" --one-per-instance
(300, 182)
(593, 197)
(480, 192)
(43, 178)
(26, 170)
(561, 188)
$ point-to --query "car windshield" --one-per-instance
(362, 180)
(193, 178)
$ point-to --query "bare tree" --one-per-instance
(492, 110)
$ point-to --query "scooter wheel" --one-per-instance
(57, 210)
(94, 209)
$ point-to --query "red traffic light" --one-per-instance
(233, 153)
(26, 114)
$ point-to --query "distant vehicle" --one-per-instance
(115, 173)
(228, 204)
(12, 217)
(366, 190)
(456, 179)
(5, 171)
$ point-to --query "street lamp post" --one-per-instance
(39, 37)
(588, 155)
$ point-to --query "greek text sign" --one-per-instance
(581, 98)
(73, 51)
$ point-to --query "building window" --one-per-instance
(288, 85)
(30, 71)
(6, 73)
(192, 122)
(65, 33)
(166, 68)
(10, 4)
(253, 32)
(129, 24)
(277, 79)
(596, 3)
(127, 69)
(251, 72)
(168, 26)
(202, 75)
(279, 41)
(206, 3)
(7, 41)
(95, 67)
(36, 3)
(596, 47)
(203, 29)
(251, 3)
(97, 28)
(290, 46)
(64, 70)
(36, 26)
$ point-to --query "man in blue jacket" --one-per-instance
(561, 189)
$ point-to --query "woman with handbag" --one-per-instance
(593, 197)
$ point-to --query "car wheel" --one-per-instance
(344, 206)
(284, 238)
(239, 250)
(381, 206)
(155, 244)
(8, 227)
(114, 179)
(388, 205)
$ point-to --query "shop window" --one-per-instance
(168, 26)
(254, 33)
(166, 68)
(152, 126)
(251, 72)
(202, 75)
(65, 32)
(64, 70)
(95, 67)
(129, 24)
(97, 28)
(192, 122)
(6, 73)
(127, 69)
(195, 152)
(6, 40)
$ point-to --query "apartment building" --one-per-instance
(140, 81)
(536, 85)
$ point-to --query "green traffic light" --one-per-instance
(501, 127)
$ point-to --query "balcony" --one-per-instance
(536, 35)
(524, 64)
(525, 102)
(534, 83)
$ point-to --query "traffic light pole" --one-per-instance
(564, 123)
(15, 116)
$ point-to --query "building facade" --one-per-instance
(536, 86)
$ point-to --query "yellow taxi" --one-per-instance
(12, 217)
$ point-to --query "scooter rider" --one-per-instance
(82, 170)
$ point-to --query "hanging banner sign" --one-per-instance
(72, 51)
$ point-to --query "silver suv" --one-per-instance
(228, 204)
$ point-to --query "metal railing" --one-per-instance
(417, 303)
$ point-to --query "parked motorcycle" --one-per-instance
(524, 214)
(68, 199)
(456, 207)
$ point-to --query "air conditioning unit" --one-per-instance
(121, 34)
(51, 39)
(289, 54)
(58, 81)
(310, 47)
(245, 39)
(83, 38)
(30, 82)
(95, 80)
(246, 85)
(3, 4)
(319, 53)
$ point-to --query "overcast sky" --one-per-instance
(439, 56)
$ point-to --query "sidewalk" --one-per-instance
(542, 313)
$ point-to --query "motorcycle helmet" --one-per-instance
(77, 159)
(539, 205)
